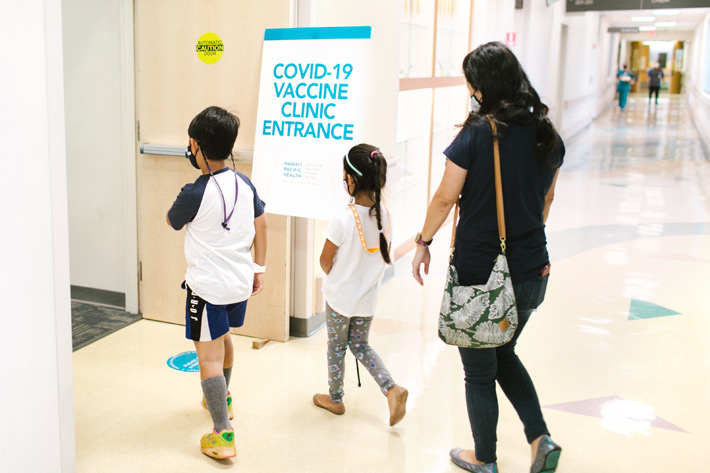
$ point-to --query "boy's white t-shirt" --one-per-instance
(353, 283)
(220, 268)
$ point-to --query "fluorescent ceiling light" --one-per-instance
(642, 18)
(647, 28)
(666, 12)
(666, 23)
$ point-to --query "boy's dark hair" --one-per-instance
(215, 130)
(370, 162)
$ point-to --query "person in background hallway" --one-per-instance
(625, 79)
(355, 255)
(224, 217)
(531, 153)
(655, 76)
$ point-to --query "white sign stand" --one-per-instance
(311, 103)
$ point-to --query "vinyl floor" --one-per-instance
(619, 351)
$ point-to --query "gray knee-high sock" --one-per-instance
(215, 391)
(227, 375)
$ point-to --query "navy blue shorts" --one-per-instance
(205, 322)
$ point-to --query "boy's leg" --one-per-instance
(210, 355)
(228, 358)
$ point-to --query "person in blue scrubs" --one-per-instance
(625, 79)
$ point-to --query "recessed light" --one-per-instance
(666, 12)
(642, 18)
(647, 28)
(666, 23)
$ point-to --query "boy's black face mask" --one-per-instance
(191, 157)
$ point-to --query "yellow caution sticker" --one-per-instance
(209, 48)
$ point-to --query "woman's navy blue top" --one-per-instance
(525, 183)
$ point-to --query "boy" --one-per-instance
(224, 217)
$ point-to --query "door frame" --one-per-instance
(129, 153)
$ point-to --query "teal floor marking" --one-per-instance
(647, 310)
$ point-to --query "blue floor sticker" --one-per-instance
(647, 310)
(186, 361)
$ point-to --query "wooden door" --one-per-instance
(172, 86)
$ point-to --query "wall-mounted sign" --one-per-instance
(623, 29)
(209, 48)
(601, 5)
(311, 104)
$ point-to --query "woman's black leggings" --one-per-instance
(483, 367)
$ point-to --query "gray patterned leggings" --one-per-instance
(353, 332)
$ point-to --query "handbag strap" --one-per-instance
(500, 213)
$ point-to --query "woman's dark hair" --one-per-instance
(370, 162)
(507, 95)
(215, 130)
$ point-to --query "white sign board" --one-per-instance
(311, 102)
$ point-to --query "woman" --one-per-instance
(531, 152)
(625, 81)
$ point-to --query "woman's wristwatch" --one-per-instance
(259, 269)
(418, 240)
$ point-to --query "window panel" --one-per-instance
(452, 30)
(410, 188)
(416, 42)
(450, 110)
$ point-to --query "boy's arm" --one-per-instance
(327, 256)
(260, 226)
(186, 205)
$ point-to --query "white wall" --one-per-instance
(381, 112)
(37, 417)
(538, 47)
(581, 79)
(697, 68)
(98, 73)
(491, 21)
(571, 72)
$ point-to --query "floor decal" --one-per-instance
(640, 310)
(618, 414)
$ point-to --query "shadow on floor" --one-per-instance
(91, 322)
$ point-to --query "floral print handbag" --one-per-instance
(481, 316)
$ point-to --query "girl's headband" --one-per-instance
(352, 167)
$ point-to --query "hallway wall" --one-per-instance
(698, 80)
(578, 85)
(37, 416)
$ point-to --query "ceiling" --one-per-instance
(687, 19)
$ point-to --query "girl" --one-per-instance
(355, 255)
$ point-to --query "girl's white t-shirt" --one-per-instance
(353, 283)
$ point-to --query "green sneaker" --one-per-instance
(219, 445)
(229, 405)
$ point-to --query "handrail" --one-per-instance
(240, 155)
(577, 100)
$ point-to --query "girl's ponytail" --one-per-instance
(380, 165)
